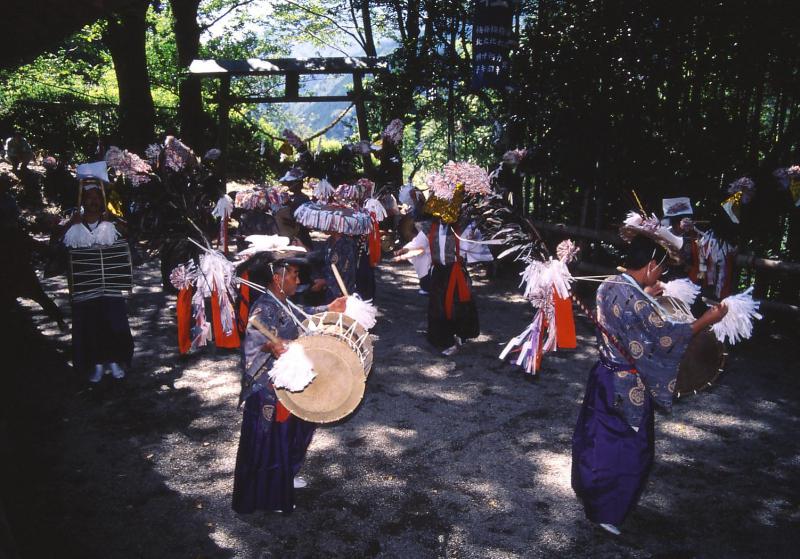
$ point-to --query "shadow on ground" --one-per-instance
(446, 457)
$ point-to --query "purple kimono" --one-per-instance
(273, 443)
(613, 444)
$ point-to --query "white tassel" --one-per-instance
(682, 289)
(78, 236)
(363, 312)
(323, 190)
(105, 233)
(223, 208)
(293, 370)
(373, 205)
(737, 324)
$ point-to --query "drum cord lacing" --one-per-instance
(356, 345)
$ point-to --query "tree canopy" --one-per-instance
(608, 97)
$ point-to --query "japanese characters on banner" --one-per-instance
(492, 39)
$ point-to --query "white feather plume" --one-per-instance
(293, 370)
(373, 205)
(737, 324)
(682, 289)
(363, 312)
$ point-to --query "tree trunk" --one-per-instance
(125, 38)
(190, 99)
(366, 21)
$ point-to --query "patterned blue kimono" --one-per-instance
(613, 443)
(344, 253)
(273, 443)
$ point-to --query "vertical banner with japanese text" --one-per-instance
(492, 40)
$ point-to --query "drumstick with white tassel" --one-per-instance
(363, 312)
(293, 370)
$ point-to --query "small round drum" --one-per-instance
(347, 329)
(339, 386)
(704, 359)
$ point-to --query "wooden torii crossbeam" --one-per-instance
(291, 69)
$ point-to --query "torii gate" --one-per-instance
(291, 69)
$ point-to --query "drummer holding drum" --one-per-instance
(100, 271)
(273, 442)
(640, 351)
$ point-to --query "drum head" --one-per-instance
(338, 387)
(701, 364)
(340, 325)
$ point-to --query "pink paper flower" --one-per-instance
(393, 132)
(177, 155)
(129, 165)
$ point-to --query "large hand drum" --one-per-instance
(343, 327)
(338, 387)
(704, 359)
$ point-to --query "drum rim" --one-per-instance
(365, 349)
(293, 400)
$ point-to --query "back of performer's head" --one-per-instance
(640, 251)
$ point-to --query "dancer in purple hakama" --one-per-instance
(273, 442)
(640, 350)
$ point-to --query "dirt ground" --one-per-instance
(446, 457)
